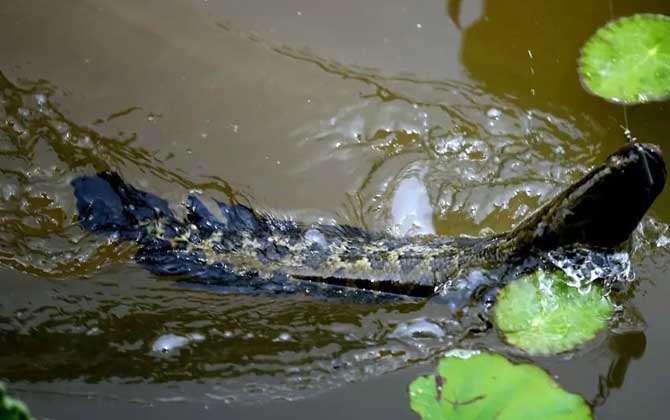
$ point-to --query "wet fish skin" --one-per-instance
(238, 246)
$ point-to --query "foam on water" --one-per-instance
(475, 173)
(584, 266)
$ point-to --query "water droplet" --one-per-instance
(494, 113)
(41, 99)
(449, 144)
(168, 342)
(419, 328)
(93, 331)
(283, 337)
(315, 236)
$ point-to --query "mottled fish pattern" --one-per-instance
(234, 245)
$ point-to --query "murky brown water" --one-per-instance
(308, 109)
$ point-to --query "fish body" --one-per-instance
(236, 246)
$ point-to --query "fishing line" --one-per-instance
(626, 129)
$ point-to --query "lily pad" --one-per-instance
(628, 60)
(11, 409)
(541, 314)
(486, 386)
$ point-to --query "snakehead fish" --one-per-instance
(240, 247)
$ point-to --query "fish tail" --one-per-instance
(110, 207)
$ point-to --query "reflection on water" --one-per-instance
(487, 150)
(625, 348)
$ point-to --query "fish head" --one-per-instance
(604, 207)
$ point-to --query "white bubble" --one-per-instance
(449, 144)
(315, 236)
(461, 353)
(284, 337)
(168, 342)
(418, 328)
(494, 113)
(41, 99)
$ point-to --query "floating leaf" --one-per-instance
(11, 409)
(628, 60)
(488, 386)
(541, 314)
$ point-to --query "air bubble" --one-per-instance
(283, 337)
(316, 237)
(170, 342)
(419, 328)
(41, 99)
(449, 144)
(494, 113)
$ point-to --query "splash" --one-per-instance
(585, 266)
(40, 151)
(477, 167)
(488, 175)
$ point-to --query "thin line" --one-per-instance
(611, 10)
(629, 136)
(625, 116)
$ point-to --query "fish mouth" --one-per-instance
(647, 157)
(605, 206)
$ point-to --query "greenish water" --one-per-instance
(310, 110)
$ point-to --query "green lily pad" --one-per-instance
(11, 409)
(541, 314)
(628, 60)
(487, 386)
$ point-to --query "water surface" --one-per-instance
(312, 110)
